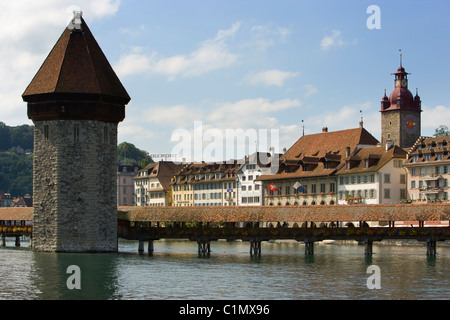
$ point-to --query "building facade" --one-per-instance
(250, 190)
(125, 184)
(306, 174)
(428, 170)
(152, 184)
(206, 184)
(373, 176)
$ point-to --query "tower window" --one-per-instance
(76, 133)
(105, 134)
(46, 132)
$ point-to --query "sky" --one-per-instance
(212, 79)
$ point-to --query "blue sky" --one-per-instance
(241, 64)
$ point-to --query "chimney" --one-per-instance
(324, 129)
(347, 152)
(389, 144)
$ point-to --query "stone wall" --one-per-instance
(75, 187)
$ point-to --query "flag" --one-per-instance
(297, 186)
(123, 148)
(272, 187)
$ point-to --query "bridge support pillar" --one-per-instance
(309, 247)
(150, 247)
(255, 248)
(204, 247)
(368, 247)
(17, 241)
(3, 241)
(431, 248)
(141, 246)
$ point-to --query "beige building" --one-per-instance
(428, 169)
(206, 184)
(152, 184)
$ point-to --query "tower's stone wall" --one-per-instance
(393, 127)
(75, 204)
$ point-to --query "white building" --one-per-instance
(250, 191)
(373, 176)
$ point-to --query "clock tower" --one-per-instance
(400, 113)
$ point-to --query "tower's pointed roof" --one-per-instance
(75, 65)
(76, 81)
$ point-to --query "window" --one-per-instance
(250, 178)
(332, 187)
(46, 132)
(387, 178)
(288, 189)
(313, 188)
(257, 187)
(402, 193)
(387, 193)
(244, 188)
(413, 184)
(322, 187)
(76, 133)
(105, 134)
(402, 179)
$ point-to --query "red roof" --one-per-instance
(322, 153)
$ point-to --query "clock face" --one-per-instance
(410, 123)
(404, 83)
(397, 83)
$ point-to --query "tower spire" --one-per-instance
(401, 58)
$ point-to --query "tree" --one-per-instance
(441, 131)
(127, 153)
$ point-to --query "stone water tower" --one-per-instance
(75, 102)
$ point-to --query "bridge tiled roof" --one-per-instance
(388, 212)
(16, 213)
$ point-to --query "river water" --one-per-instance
(176, 272)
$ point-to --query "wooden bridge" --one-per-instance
(306, 224)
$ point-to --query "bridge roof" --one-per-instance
(16, 213)
(394, 212)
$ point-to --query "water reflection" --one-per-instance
(98, 276)
(175, 271)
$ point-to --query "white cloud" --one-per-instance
(270, 77)
(250, 113)
(310, 90)
(212, 54)
(433, 118)
(334, 40)
(263, 37)
(178, 116)
(29, 31)
(346, 117)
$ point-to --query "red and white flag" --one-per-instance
(272, 187)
